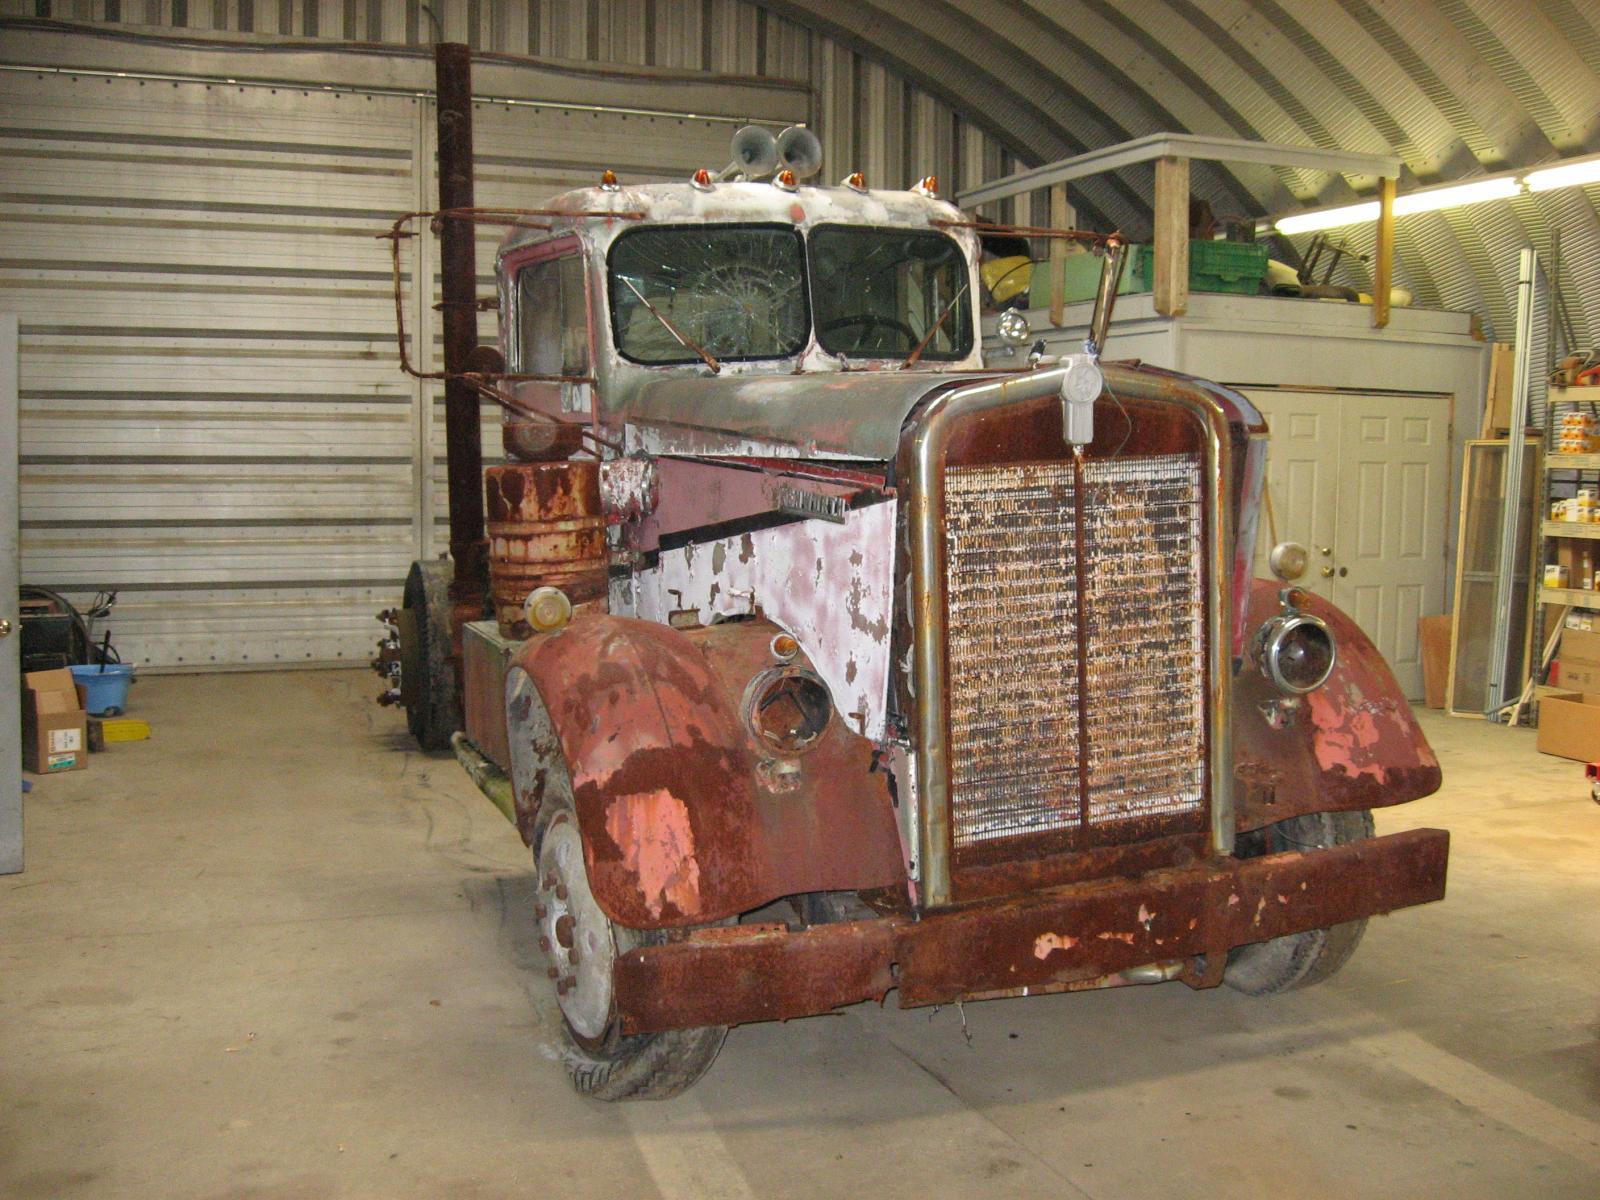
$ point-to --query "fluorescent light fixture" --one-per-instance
(1328, 218)
(1573, 174)
(1454, 196)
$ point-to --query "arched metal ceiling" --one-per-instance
(1454, 87)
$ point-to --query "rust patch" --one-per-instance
(1045, 943)
(652, 831)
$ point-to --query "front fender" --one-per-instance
(681, 826)
(1355, 743)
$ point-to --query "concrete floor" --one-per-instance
(272, 953)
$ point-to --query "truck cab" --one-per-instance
(820, 660)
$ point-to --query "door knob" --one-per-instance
(1327, 572)
(1327, 551)
(5, 626)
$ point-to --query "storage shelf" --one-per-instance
(1572, 529)
(1572, 462)
(1573, 597)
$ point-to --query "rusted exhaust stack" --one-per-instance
(458, 270)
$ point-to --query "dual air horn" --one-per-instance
(756, 152)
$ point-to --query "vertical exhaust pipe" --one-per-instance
(469, 550)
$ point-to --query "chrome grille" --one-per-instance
(1021, 760)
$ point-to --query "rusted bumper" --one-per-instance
(1046, 941)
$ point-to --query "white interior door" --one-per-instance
(1389, 540)
(10, 679)
(1302, 480)
(1362, 480)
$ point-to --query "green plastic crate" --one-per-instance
(1213, 267)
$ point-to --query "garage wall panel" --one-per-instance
(213, 421)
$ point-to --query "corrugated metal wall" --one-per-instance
(1456, 88)
(213, 423)
(869, 117)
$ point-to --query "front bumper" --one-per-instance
(1044, 941)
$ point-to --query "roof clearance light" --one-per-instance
(608, 181)
(929, 187)
(701, 179)
(855, 181)
(1564, 175)
(784, 179)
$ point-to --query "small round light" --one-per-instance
(855, 181)
(929, 187)
(1296, 652)
(785, 179)
(547, 609)
(1013, 327)
(701, 179)
(608, 181)
(788, 709)
(784, 647)
(1288, 561)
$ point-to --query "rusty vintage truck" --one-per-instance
(816, 660)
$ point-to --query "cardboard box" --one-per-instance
(54, 727)
(1569, 725)
(1579, 655)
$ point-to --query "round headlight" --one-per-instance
(1297, 652)
(788, 709)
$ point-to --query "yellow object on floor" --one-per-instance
(124, 729)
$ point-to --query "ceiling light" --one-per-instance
(1572, 174)
(1474, 192)
(1327, 218)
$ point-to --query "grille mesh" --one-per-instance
(1014, 618)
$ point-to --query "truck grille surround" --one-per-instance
(1076, 642)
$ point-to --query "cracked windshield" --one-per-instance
(733, 291)
(879, 292)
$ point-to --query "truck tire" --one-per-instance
(432, 712)
(1298, 959)
(581, 943)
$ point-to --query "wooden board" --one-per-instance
(1434, 635)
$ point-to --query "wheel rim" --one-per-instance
(576, 935)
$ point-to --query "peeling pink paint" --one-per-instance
(1047, 943)
(652, 831)
(1345, 732)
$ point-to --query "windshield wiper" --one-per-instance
(911, 359)
(683, 338)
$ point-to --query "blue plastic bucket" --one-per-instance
(106, 691)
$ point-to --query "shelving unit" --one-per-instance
(1564, 475)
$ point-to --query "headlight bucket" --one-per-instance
(1296, 652)
(788, 709)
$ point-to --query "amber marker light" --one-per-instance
(929, 187)
(608, 180)
(856, 181)
(784, 179)
(701, 179)
(784, 647)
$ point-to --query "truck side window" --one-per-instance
(552, 322)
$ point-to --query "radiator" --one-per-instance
(1077, 690)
